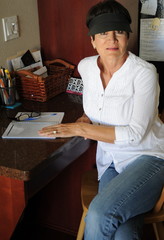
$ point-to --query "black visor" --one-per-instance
(109, 22)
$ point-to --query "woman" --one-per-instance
(120, 100)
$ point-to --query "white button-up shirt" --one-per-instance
(130, 103)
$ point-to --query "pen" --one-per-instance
(6, 84)
(2, 85)
(8, 78)
(10, 129)
(4, 76)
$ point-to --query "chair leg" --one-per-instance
(159, 230)
(80, 233)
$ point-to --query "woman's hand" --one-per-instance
(84, 118)
(61, 130)
(67, 129)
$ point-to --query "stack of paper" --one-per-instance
(15, 63)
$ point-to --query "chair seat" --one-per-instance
(154, 217)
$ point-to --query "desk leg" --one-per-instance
(12, 203)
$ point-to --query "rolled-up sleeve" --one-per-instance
(146, 98)
(127, 136)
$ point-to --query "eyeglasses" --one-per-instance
(26, 116)
(104, 35)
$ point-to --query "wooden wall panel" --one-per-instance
(63, 32)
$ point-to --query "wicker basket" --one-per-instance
(33, 87)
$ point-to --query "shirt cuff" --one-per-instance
(122, 136)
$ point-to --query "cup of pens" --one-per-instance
(7, 95)
(7, 88)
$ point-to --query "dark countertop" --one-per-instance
(24, 158)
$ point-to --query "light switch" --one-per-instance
(10, 27)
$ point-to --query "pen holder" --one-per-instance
(7, 95)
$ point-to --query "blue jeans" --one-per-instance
(116, 213)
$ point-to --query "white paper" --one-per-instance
(151, 41)
(29, 129)
(18, 64)
(41, 72)
(149, 7)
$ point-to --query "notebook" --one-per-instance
(29, 127)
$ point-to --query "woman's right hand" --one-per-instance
(84, 119)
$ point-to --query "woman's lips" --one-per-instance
(112, 48)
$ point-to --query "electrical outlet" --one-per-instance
(10, 27)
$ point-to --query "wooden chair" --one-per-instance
(89, 189)
(156, 218)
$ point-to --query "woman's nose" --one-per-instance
(111, 36)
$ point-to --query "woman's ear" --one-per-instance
(93, 43)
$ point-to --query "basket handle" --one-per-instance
(68, 65)
(28, 73)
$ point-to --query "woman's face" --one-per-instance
(111, 44)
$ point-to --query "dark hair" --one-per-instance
(107, 6)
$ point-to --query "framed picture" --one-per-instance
(75, 86)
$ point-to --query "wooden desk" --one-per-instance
(26, 166)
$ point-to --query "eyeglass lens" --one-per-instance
(24, 116)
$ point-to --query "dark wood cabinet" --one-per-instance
(63, 33)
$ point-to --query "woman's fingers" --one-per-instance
(62, 130)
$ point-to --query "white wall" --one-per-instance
(29, 38)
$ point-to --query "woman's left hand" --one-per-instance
(61, 130)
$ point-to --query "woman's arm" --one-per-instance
(81, 128)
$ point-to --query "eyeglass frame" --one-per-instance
(93, 36)
(29, 116)
(117, 33)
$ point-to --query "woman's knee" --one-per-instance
(93, 220)
(94, 215)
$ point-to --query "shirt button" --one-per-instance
(99, 109)
(102, 95)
